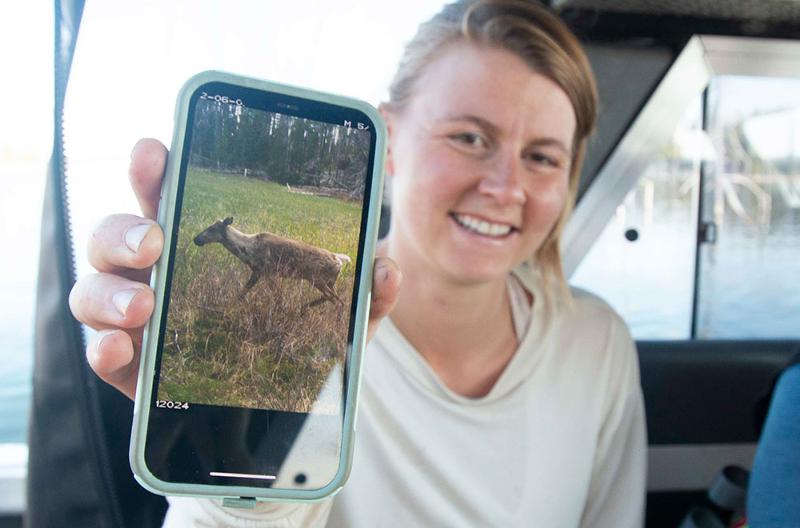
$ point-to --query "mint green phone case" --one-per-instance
(246, 495)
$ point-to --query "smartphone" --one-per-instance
(251, 361)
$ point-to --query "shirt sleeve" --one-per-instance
(618, 487)
(187, 512)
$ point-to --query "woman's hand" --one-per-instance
(117, 300)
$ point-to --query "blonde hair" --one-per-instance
(537, 36)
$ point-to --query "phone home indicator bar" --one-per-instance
(242, 475)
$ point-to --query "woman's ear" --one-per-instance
(388, 117)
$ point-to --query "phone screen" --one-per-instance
(263, 272)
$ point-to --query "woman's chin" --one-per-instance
(474, 269)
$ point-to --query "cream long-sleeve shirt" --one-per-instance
(559, 441)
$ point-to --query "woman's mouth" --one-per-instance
(481, 226)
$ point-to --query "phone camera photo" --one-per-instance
(263, 277)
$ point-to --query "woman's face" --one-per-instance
(480, 159)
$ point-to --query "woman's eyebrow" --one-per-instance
(479, 121)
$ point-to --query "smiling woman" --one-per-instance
(489, 399)
(480, 175)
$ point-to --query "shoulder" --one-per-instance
(585, 346)
(584, 334)
(587, 308)
(599, 328)
(582, 312)
(589, 315)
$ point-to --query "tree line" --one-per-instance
(279, 147)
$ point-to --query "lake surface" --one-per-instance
(16, 336)
(20, 221)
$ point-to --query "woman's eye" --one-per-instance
(470, 139)
(543, 159)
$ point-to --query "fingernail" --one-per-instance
(135, 235)
(122, 299)
(93, 355)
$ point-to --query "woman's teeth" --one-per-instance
(481, 226)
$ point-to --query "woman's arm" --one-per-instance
(618, 488)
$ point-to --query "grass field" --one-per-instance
(261, 351)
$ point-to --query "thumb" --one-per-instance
(386, 280)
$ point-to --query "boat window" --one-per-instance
(643, 262)
(748, 276)
(734, 273)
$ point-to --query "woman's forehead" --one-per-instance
(493, 84)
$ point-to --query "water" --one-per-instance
(16, 336)
(20, 220)
(748, 278)
(650, 281)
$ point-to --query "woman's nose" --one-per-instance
(502, 180)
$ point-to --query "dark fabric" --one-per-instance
(708, 391)
(794, 361)
(63, 484)
(64, 487)
(762, 406)
(78, 473)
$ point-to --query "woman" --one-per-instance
(492, 396)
